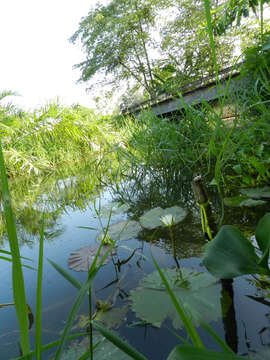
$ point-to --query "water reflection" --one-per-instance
(69, 203)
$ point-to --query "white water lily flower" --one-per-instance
(167, 220)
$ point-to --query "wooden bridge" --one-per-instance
(207, 89)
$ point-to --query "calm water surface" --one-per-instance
(245, 327)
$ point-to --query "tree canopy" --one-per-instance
(157, 45)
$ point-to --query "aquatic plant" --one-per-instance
(231, 254)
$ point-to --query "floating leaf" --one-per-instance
(188, 352)
(113, 318)
(82, 259)
(231, 254)
(263, 354)
(122, 230)
(241, 200)
(257, 193)
(197, 291)
(105, 350)
(113, 208)
(152, 218)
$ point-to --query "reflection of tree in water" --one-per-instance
(47, 198)
(146, 188)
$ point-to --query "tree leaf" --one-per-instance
(230, 255)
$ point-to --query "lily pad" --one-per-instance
(257, 193)
(152, 218)
(82, 259)
(105, 350)
(197, 291)
(113, 318)
(122, 230)
(113, 208)
(241, 200)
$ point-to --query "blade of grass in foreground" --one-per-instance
(76, 283)
(39, 296)
(188, 324)
(17, 274)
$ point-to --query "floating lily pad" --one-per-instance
(113, 318)
(105, 350)
(113, 208)
(262, 354)
(241, 200)
(82, 259)
(257, 193)
(151, 219)
(197, 291)
(122, 230)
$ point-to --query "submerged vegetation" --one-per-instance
(59, 158)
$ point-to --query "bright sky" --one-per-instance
(36, 57)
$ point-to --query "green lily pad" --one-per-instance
(152, 218)
(113, 318)
(105, 350)
(197, 291)
(241, 200)
(113, 208)
(122, 230)
(257, 193)
(263, 354)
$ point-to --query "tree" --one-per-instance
(118, 41)
(233, 11)
(186, 43)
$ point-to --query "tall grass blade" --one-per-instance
(187, 321)
(39, 296)
(77, 284)
(121, 344)
(217, 338)
(17, 274)
(72, 315)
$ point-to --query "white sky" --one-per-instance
(36, 57)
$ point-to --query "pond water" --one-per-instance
(245, 323)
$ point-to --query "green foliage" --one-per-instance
(17, 273)
(197, 292)
(231, 254)
(234, 11)
(117, 41)
(153, 218)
